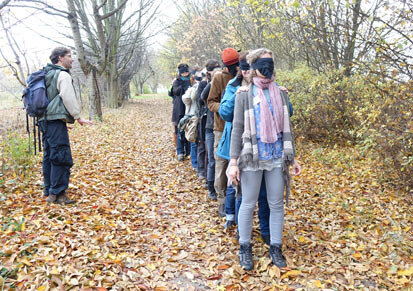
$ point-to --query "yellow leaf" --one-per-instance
(43, 239)
(213, 230)
(318, 284)
(292, 273)
(357, 256)
(352, 234)
(302, 239)
(274, 271)
(26, 262)
(23, 228)
(402, 281)
(151, 267)
(54, 271)
(407, 272)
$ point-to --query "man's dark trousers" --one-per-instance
(57, 157)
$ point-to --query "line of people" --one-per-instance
(234, 123)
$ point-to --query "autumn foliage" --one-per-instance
(363, 110)
(142, 220)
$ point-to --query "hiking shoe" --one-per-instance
(245, 257)
(212, 195)
(266, 239)
(228, 224)
(277, 256)
(51, 198)
(63, 199)
(221, 210)
(180, 157)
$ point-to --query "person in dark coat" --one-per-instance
(207, 125)
(179, 86)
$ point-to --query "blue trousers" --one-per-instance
(201, 158)
(194, 155)
(209, 142)
(263, 209)
(182, 145)
(57, 156)
(230, 203)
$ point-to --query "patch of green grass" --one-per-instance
(150, 96)
(7, 101)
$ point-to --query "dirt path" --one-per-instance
(143, 221)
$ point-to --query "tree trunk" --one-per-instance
(154, 89)
(141, 87)
(126, 91)
(95, 106)
(114, 99)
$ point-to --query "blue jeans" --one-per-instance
(230, 203)
(263, 209)
(194, 153)
(57, 156)
(201, 158)
(182, 145)
(209, 142)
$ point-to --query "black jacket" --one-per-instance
(210, 114)
(179, 87)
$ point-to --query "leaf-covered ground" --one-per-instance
(142, 221)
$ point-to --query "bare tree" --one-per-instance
(4, 3)
(17, 65)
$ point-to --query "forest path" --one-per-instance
(142, 220)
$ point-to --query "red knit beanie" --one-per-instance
(229, 56)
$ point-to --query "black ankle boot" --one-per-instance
(245, 256)
(277, 257)
(211, 191)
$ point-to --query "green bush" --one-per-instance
(146, 89)
(14, 154)
(372, 113)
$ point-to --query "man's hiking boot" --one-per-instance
(245, 257)
(212, 195)
(51, 198)
(180, 157)
(228, 224)
(63, 199)
(266, 239)
(211, 190)
(221, 210)
(277, 256)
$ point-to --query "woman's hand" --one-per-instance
(233, 174)
(243, 89)
(296, 168)
(284, 89)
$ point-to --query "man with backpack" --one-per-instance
(63, 108)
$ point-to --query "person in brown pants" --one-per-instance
(230, 59)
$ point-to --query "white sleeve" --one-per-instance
(67, 92)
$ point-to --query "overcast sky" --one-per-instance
(36, 30)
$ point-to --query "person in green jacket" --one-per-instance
(63, 108)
